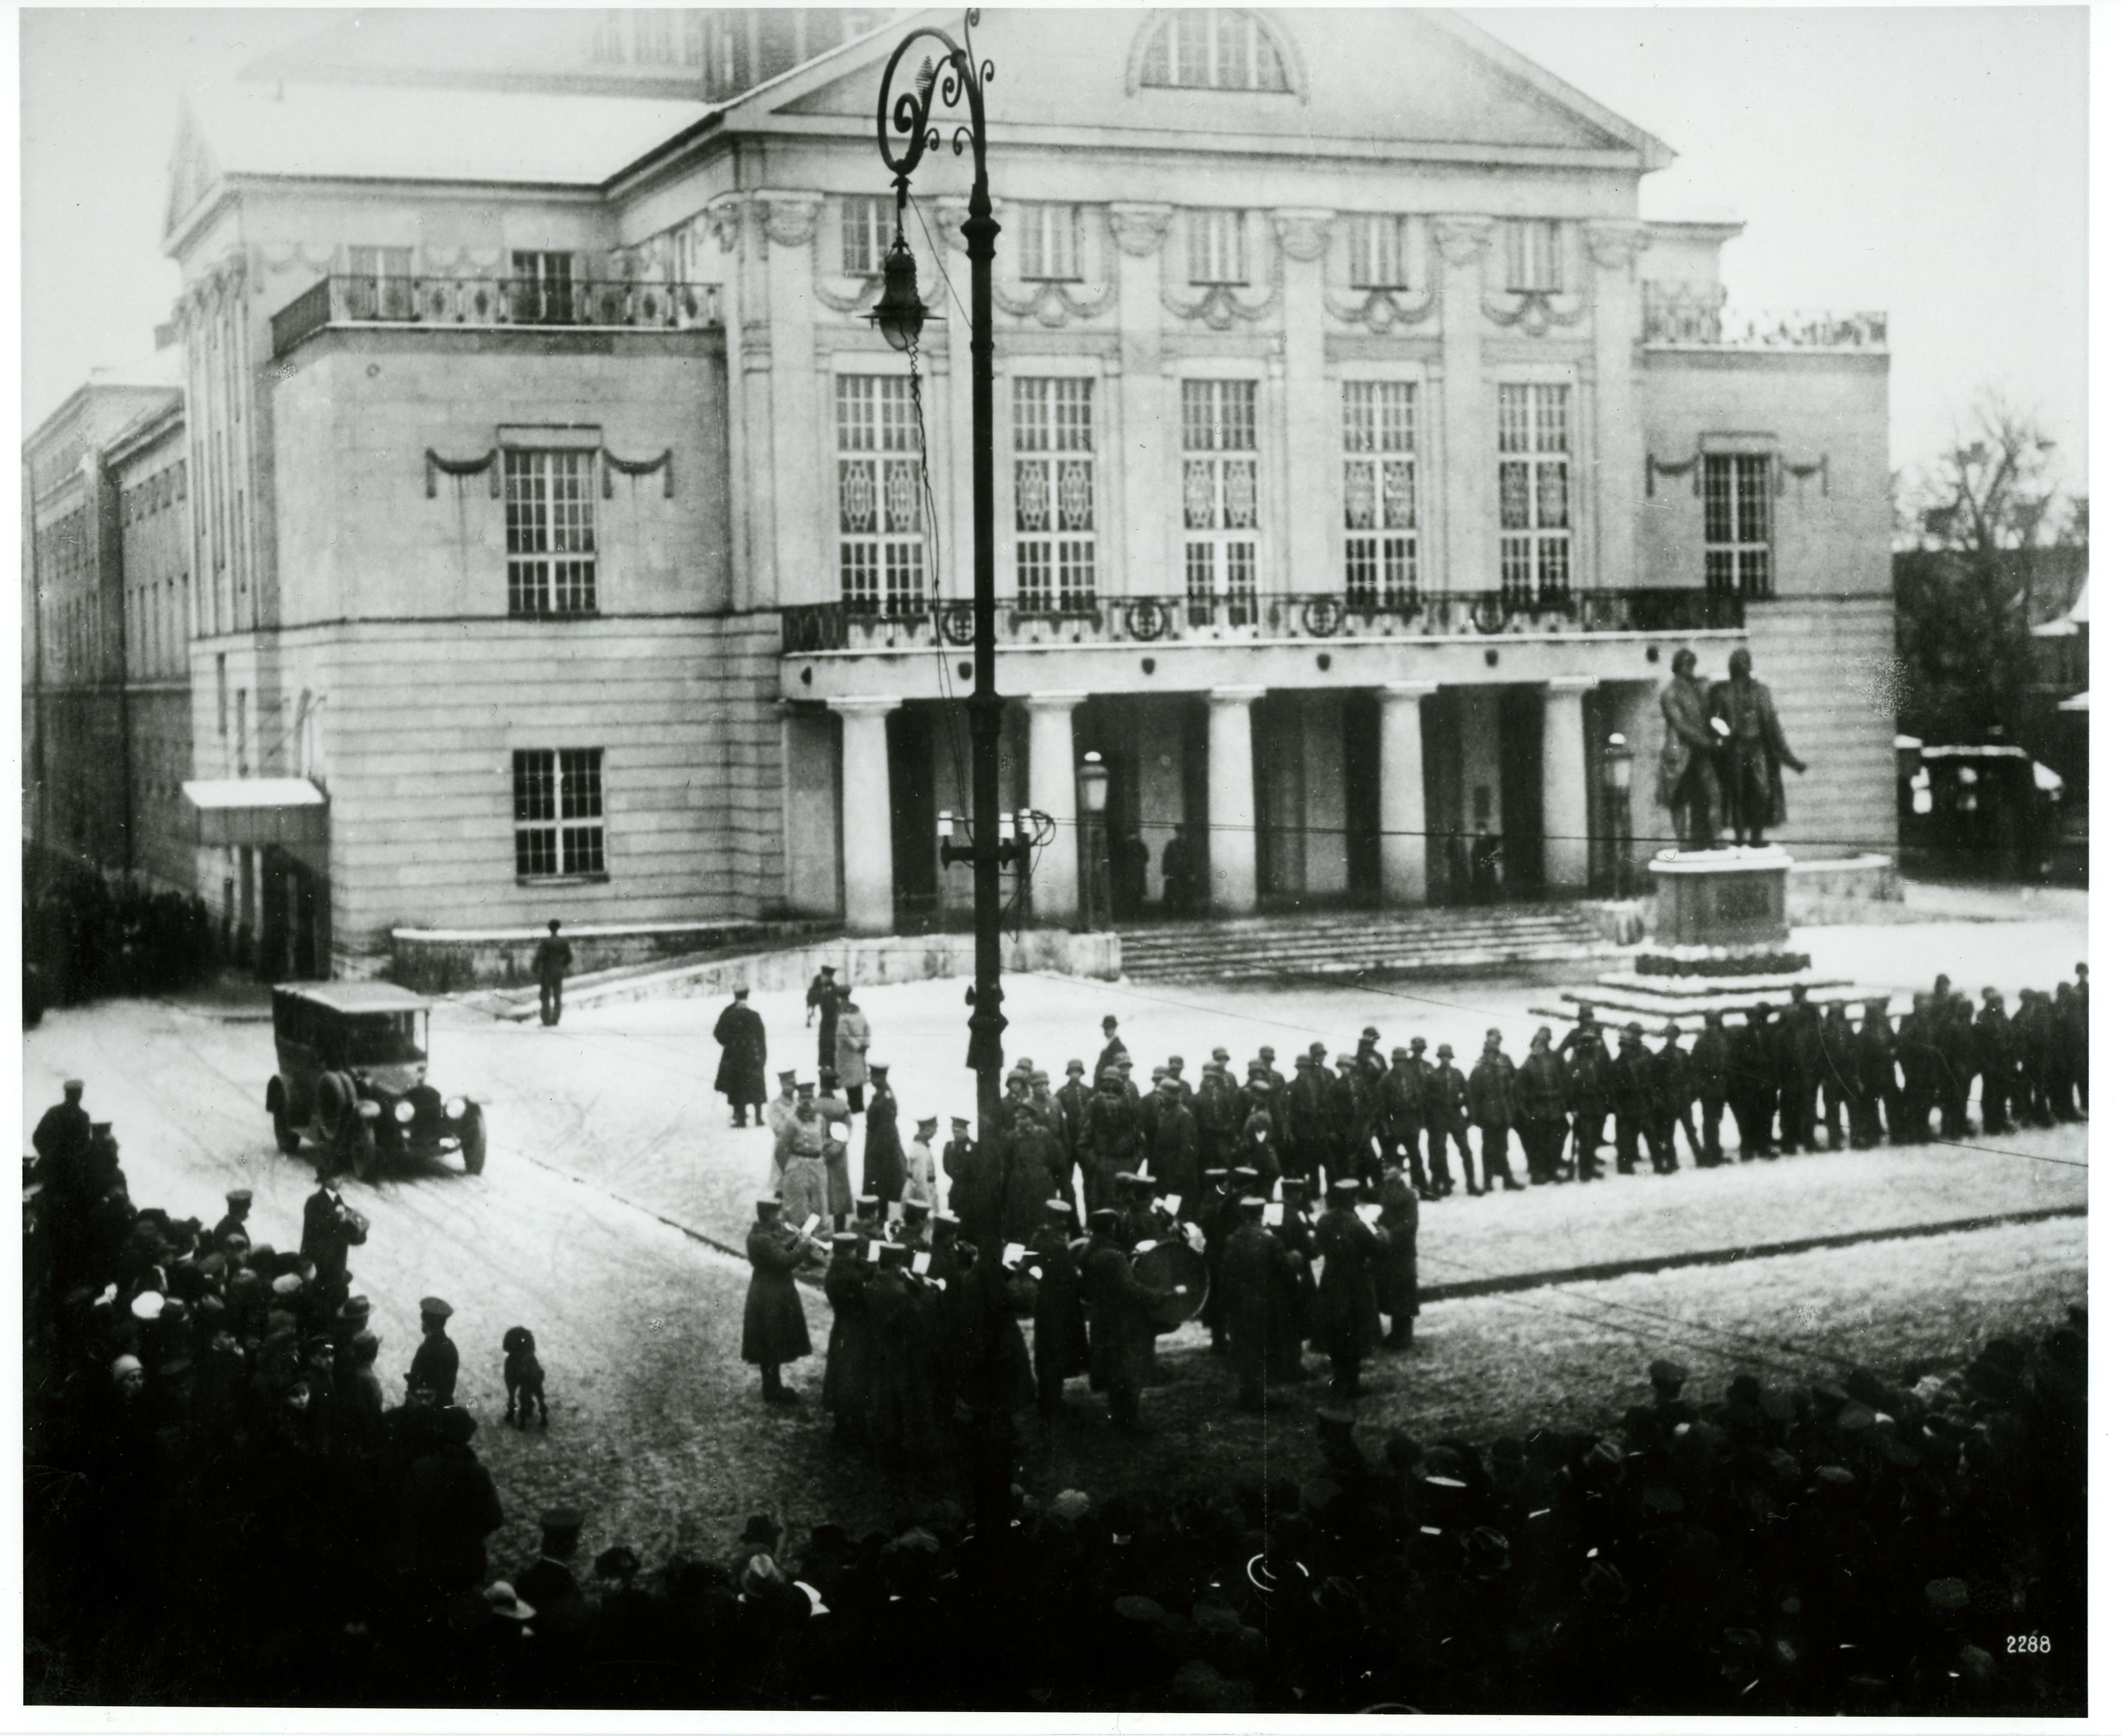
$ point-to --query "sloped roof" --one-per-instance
(366, 131)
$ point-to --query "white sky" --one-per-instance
(1929, 161)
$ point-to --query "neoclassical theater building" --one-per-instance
(1362, 458)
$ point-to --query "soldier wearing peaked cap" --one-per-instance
(775, 1331)
(1634, 1098)
(1491, 1094)
(548, 1585)
(1059, 1344)
(1344, 1319)
(434, 1369)
(236, 1218)
(1671, 1073)
(1444, 1106)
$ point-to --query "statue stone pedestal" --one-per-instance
(1719, 943)
(1733, 898)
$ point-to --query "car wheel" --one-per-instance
(286, 1134)
(474, 1141)
(364, 1151)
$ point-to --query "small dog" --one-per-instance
(526, 1376)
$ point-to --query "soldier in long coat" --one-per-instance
(741, 1077)
(1258, 1143)
(846, 1351)
(1801, 1055)
(1350, 1105)
(2030, 1042)
(1491, 1096)
(1253, 1295)
(904, 1330)
(1216, 1112)
(1215, 1214)
(1059, 1343)
(1443, 1109)
(1590, 1067)
(1710, 1065)
(1920, 1067)
(1993, 1054)
(1399, 1227)
(1875, 1113)
(1290, 1325)
(1635, 1100)
(1837, 1070)
(1075, 1098)
(1751, 1084)
(883, 1156)
(1310, 1120)
(1115, 1142)
(850, 1050)
(799, 1151)
(774, 1329)
(1122, 1327)
(1671, 1073)
(1542, 1109)
(1174, 1149)
(1345, 1319)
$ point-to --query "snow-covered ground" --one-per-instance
(607, 1124)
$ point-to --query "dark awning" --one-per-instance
(257, 811)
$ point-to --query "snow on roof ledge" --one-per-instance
(366, 131)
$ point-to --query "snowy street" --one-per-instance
(612, 1169)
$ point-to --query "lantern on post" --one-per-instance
(1093, 791)
(1617, 774)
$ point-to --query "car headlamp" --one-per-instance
(453, 1109)
(403, 1111)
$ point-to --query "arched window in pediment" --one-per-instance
(1214, 49)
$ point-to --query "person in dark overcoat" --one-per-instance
(847, 1349)
(1800, 1055)
(1443, 1109)
(1114, 1142)
(1059, 1343)
(1875, 1115)
(1491, 1096)
(1398, 1227)
(1345, 1320)
(1310, 1120)
(1259, 1139)
(903, 1327)
(1671, 1072)
(1075, 1098)
(883, 1156)
(1542, 1109)
(1837, 1072)
(1122, 1327)
(61, 1142)
(1635, 1100)
(1291, 1325)
(774, 1329)
(329, 1228)
(1710, 1066)
(550, 965)
(1590, 1067)
(1215, 1215)
(1252, 1285)
(1174, 1147)
(741, 1077)
(434, 1368)
(1752, 1086)
(1351, 1106)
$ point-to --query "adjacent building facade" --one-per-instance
(1362, 459)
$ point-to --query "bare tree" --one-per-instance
(1964, 593)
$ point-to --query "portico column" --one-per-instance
(1402, 805)
(866, 813)
(1565, 806)
(1053, 878)
(1233, 823)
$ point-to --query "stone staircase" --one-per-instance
(1344, 946)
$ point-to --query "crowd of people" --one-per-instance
(215, 1479)
(85, 933)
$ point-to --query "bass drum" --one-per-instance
(1178, 1276)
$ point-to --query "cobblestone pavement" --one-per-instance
(602, 1126)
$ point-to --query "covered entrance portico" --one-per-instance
(1233, 800)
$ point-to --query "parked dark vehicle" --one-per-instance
(352, 1080)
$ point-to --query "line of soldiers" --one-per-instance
(84, 934)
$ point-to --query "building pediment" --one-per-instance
(193, 170)
(1378, 79)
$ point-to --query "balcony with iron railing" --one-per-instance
(1146, 621)
(1694, 316)
(521, 303)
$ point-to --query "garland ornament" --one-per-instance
(465, 467)
(640, 467)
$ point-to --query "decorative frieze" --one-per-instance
(1533, 311)
(1139, 229)
(1462, 240)
(790, 219)
(1054, 304)
(1302, 233)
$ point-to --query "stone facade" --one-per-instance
(1360, 452)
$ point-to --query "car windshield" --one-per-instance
(383, 1039)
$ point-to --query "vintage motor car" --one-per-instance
(352, 1080)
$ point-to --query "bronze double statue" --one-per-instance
(1723, 755)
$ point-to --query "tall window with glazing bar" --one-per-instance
(1738, 523)
(550, 509)
(1533, 504)
(1378, 493)
(1056, 548)
(1221, 496)
(881, 566)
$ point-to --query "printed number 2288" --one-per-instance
(2026, 1643)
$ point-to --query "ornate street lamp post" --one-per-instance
(1092, 790)
(956, 77)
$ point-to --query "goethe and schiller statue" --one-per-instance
(1723, 755)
